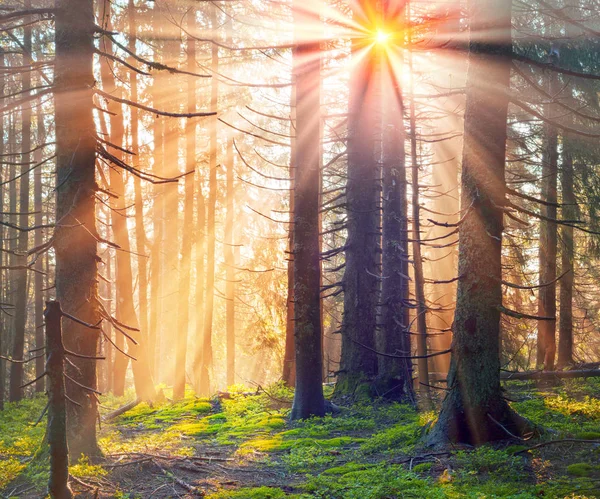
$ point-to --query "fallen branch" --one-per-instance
(548, 375)
(122, 410)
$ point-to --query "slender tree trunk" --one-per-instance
(361, 278)
(289, 356)
(20, 276)
(38, 241)
(76, 235)
(546, 352)
(207, 360)
(200, 281)
(474, 410)
(230, 266)
(569, 211)
(58, 483)
(188, 220)
(421, 309)
(395, 375)
(308, 396)
(140, 231)
(3, 329)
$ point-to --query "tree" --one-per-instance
(75, 237)
(474, 410)
(308, 396)
(363, 253)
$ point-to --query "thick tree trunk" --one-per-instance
(76, 235)
(20, 276)
(308, 396)
(395, 375)
(206, 365)
(361, 278)
(188, 219)
(474, 410)
(569, 212)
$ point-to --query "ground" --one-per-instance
(242, 446)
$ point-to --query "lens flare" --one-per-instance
(382, 37)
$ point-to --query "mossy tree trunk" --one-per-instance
(474, 410)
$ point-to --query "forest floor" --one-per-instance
(243, 447)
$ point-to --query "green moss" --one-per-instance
(83, 469)
(347, 468)
(582, 469)
(588, 435)
(253, 493)
(422, 467)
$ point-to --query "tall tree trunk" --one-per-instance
(20, 276)
(140, 231)
(308, 396)
(200, 283)
(361, 278)
(546, 352)
(289, 356)
(207, 359)
(76, 235)
(569, 212)
(38, 241)
(125, 309)
(3, 329)
(230, 266)
(474, 410)
(395, 375)
(421, 309)
(188, 220)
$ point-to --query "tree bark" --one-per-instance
(395, 375)
(361, 277)
(188, 219)
(546, 341)
(75, 237)
(569, 211)
(20, 276)
(230, 265)
(474, 409)
(206, 365)
(38, 241)
(308, 396)
(58, 483)
(289, 356)
(3, 328)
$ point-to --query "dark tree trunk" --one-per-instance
(188, 219)
(308, 396)
(76, 235)
(206, 365)
(289, 356)
(20, 276)
(475, 398)
(39, 263)
(546, 351)
(58, 483)
(361, 278)
(569, 212)
(421, 310)
(395, 375)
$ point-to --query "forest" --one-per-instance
(310, 249)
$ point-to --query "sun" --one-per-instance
(382, 37)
